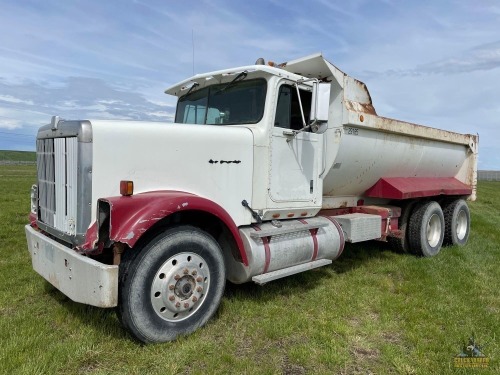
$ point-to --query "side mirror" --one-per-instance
(320, 103)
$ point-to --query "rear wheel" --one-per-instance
(400, 244)
(457, 223)
(173, 286)
(426, 229)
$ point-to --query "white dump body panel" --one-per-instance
(362, 147)
(368, 152)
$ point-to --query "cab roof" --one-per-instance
(218, 77)
(312, 66)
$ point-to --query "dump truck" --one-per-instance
(269, 170)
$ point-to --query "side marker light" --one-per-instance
(126, 188)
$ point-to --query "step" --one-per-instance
(270, 276)
(288, 228)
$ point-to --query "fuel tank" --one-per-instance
(277, 245)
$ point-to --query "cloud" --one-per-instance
(77, 98)
(11, 99)
(482, 57)
(15, 116)
(9, 124)
(71, 98)
(163, 115)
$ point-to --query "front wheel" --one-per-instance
(173, 286)
(426, 229)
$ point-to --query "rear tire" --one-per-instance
(457, 223)
(401, 244)
(426, 229)
(173, 286)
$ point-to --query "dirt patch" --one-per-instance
(364, 354)
(88, 366)
(7, 311)
(364, 358)
(392, 337)
(288, 368)
(355, 370)
(354, 322)
(374, 316)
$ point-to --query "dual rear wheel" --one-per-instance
(429, 225)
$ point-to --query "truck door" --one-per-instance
(295, 159)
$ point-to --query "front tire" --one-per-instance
(457, 223)
(173, 286)
(426, 229)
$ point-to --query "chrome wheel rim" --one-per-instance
(434, 230)
(461, 225)
(179, 287)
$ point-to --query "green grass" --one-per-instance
(372, 311)
(17, 156)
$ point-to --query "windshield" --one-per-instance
(222, 104)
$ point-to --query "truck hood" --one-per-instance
(214, 162)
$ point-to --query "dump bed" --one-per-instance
(375, 157)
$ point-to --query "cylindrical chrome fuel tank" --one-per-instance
(275, 246)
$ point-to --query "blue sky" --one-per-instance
(435, 63)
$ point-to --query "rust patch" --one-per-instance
(409, 129)
(366, 106)
(364, 88)
(343, 204)
(335, 211)
(360, 107)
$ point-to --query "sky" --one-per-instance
(435, 63)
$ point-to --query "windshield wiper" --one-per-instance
(239, 77)
(195, 84)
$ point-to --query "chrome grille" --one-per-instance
(57, 165)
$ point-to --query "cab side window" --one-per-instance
(288, 113)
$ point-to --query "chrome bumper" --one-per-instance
(82, 279)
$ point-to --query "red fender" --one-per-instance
(134, 215)
(416, 187)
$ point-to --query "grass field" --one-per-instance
(372, 311)
(17, 156)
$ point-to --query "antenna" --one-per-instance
(192, 42)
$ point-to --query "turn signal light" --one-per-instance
(126, 188)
